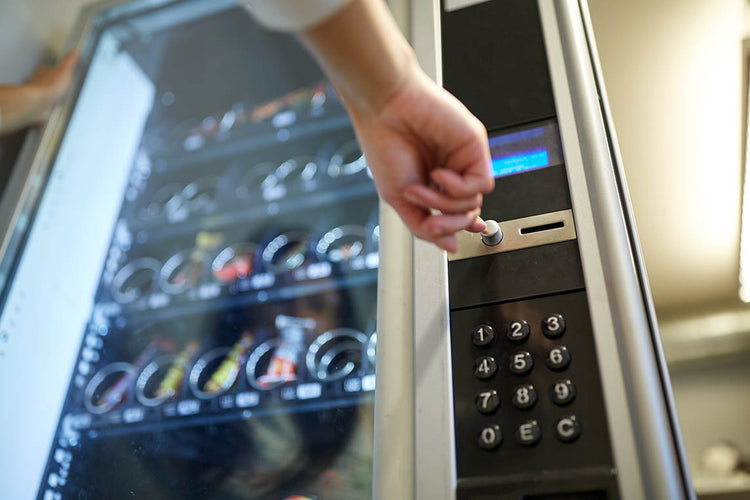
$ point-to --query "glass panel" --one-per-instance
(197, 292)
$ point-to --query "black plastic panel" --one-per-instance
(513, 463)
(514, 275)
(494, 61)
(531, 193)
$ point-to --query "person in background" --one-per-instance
(30, 102)
(428, 154)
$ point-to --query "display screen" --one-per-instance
(193, 312)
(527, 149)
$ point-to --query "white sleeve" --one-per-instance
(292, 15)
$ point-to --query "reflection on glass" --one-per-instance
(231, 348)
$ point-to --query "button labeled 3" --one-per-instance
(553, 325)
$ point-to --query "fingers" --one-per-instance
(462, 185)
(430, 198)
(438, 229)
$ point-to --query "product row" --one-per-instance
(300, 105)
(210, 265)
(277, 176)
(166, 370)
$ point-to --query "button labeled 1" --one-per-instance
(483, 335)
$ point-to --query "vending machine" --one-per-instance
(194, 288)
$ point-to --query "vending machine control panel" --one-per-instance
(530, 420)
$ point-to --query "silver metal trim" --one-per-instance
(471, 245)
(434, 431)
(643, 445)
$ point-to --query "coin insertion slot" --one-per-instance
(542, 227)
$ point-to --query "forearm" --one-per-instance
(363, 53)
(20, 106)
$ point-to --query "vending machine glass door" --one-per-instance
(189, 310)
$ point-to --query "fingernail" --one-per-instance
(411, 198)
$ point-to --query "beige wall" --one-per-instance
(32, 32)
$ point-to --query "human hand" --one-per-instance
(30, 102)
(427, 153)
(49, 84)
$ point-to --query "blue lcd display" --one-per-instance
(524, 150)
(519, 163)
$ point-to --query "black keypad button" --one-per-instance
(485, 367)
(563, 392)
(558, 358)
(487, 401)
(490, 437)
(518, 331)
(524, 396)
(483, 335)
(521, 362)
(567, 429)
(553, 325)
(529, 433)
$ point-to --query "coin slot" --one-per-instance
(542, 227)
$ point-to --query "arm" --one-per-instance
(29, 102)
(425, 150)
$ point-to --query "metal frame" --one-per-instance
(642, 420)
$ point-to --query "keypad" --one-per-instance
(529, 400)
(524, 396)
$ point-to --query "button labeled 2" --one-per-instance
(518, 331)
